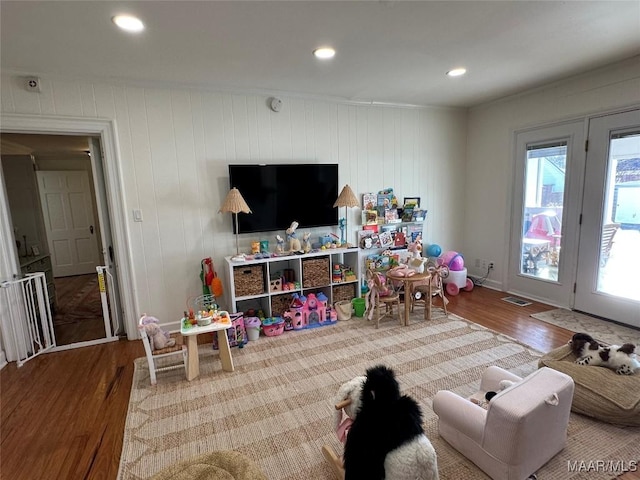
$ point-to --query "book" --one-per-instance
(369, 201)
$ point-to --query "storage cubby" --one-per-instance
(269, 283)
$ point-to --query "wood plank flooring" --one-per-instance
(62, 414)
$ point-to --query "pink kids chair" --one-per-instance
(522, 428)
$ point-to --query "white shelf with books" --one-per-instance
(389, 236)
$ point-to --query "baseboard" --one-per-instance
(3, 360)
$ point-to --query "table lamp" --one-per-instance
(346, 199)
(235, 204)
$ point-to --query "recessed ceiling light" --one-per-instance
(456, 72)
(128, 23)
(324, 52)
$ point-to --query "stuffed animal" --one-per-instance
(158, 337)
(382, 431)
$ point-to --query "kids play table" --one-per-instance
(191, 334)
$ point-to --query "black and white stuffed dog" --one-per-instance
(386, 439)
(622, 359)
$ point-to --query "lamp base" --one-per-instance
(238, 258)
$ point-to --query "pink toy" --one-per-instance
(314, 311)
(453, 260)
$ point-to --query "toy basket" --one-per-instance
(248, 280)
(273, 326)
(316, 272)
(280, 304)
(344, 292)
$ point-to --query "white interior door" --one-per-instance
(549, 164)
(608, 278)
(67, 208)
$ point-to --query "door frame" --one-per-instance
(560, 292)
(113, 184)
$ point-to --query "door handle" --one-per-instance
(91, 229)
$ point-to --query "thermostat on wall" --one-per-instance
(275, 104)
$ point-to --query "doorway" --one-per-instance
(576, 216)
(40, 173)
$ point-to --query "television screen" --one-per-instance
(279, 194)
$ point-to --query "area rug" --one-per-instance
(605, 331)
(277, 406)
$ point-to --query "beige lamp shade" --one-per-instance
(234, 203)
(346, 198)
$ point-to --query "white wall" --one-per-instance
(175, 145)
(490, 158)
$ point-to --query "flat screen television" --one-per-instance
(281, 193)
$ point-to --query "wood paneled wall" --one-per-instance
(174, 145)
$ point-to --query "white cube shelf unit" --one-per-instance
(250, 281)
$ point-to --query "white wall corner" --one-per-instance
(3, 360)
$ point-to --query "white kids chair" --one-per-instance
(154, 355)
(522, 428)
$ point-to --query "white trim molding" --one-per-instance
(106, 129)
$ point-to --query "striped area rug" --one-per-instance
(277, 406)
(605, 331)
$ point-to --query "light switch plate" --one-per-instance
(137, 215)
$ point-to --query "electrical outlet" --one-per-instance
(491, 265)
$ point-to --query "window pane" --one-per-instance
(620, 235)
(545, 173)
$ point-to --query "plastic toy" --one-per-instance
(273, 326)
(456, 280)
(453, 260)
(434, 250)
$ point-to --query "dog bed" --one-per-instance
(599, 392)
(223, 465)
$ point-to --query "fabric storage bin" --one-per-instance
(343, 292)
(248, 280)
(316, 272)
(237, 334)
(280, 304)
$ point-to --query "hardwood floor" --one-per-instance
(62, 414)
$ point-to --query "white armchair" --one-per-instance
(523, 427)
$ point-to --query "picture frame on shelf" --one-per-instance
(412, 202)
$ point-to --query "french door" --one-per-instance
(608, 276)
(575, 233)
(546, 211)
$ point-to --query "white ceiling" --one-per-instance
(387, 51)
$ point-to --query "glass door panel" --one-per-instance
(548, 174)
(607, 282)
(544, 185)
(620, 231)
